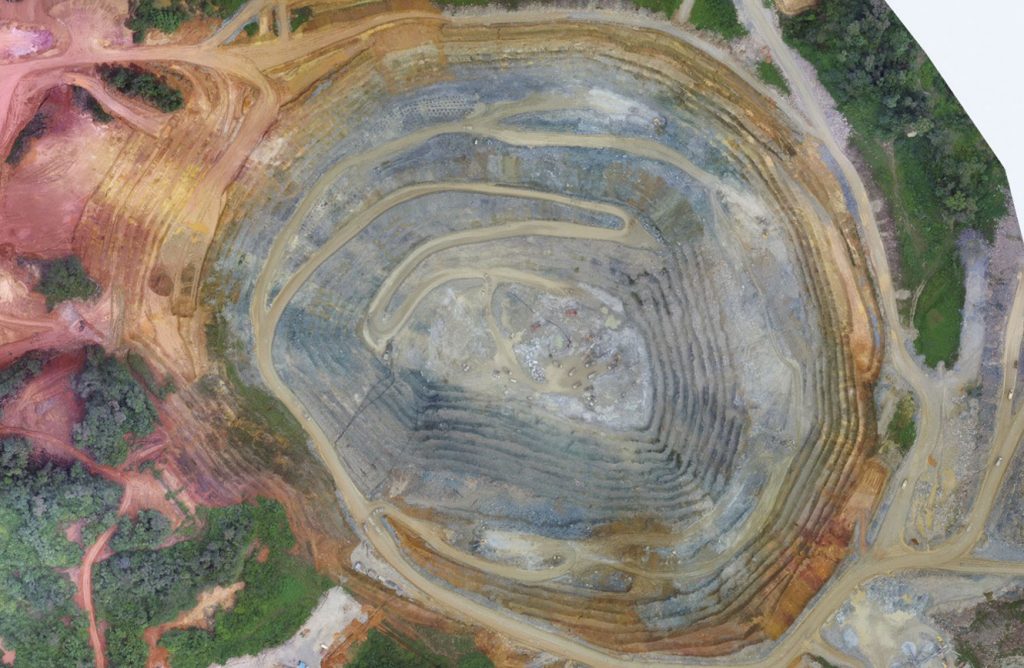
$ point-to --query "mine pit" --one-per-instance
(605, 301)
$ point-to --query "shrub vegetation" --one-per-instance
(146, 532)
(136, 82)
(718, 16)
(902, 430)
(772, 75)
(938, 175)
(299, 16)
(86, 101)
(65, 279)
(142, 586)
(146, 15)
(34, 128)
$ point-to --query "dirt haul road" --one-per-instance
(202, 212)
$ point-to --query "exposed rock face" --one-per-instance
(586, 305)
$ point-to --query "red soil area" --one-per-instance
(48, 404)
(43, 198)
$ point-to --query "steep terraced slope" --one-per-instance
(579, 316)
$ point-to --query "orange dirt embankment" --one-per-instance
(218, 469)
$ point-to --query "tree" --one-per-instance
(65, 279)
(115, 406)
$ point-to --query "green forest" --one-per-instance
(167, 17)
(115, 407)
(144, 585)
(939, 176)
(38, 501)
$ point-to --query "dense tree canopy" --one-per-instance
(38, 502)
(866, 57)
(115, 406)
(65, 279)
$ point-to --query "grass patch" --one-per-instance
(967, 655)
(717, 16)
(772, 75)
(938, 175)
(262, 414)
(938, 317)
(902, 430)
(144, 585)
(666, 7)
(137, 364)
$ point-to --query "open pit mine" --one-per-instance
(579, 321)
(559, 323)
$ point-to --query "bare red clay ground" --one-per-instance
(98, 550)
(48, 404)
(44, 196)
